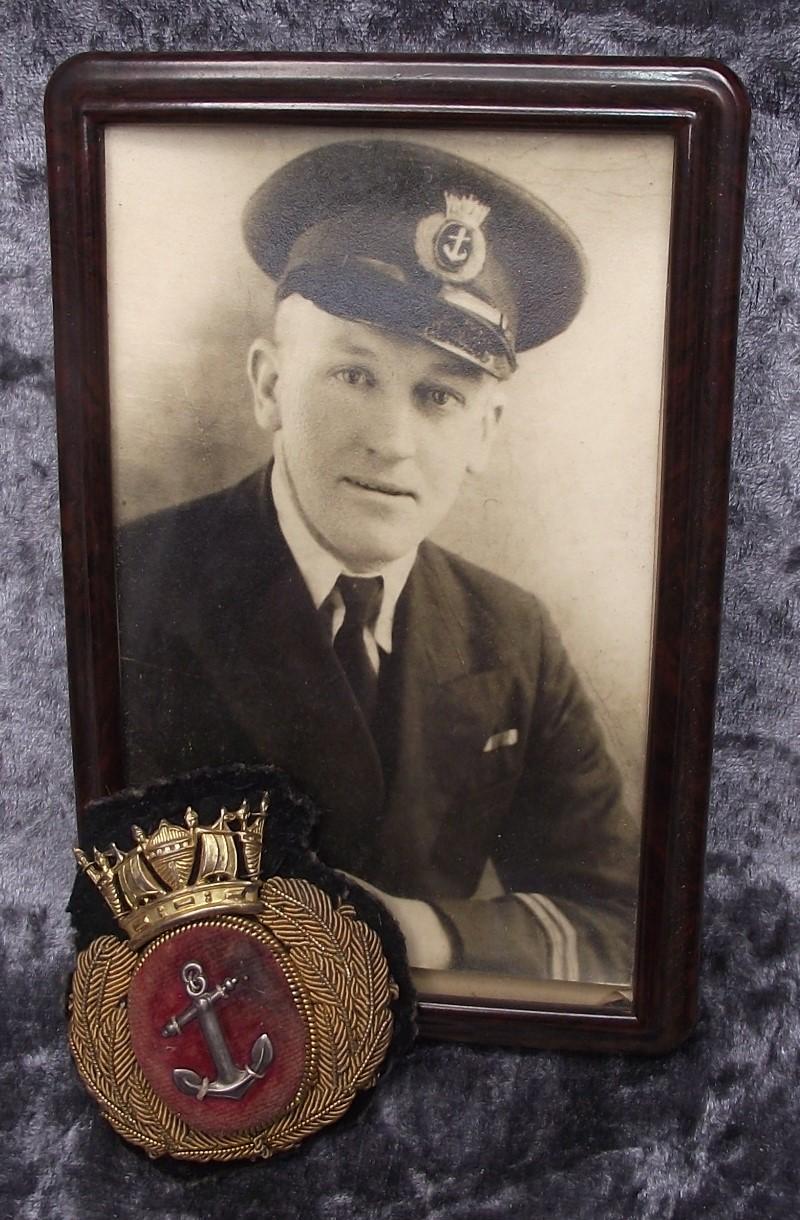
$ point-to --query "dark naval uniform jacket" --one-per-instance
(485, 756)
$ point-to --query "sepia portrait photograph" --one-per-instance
(386, 411)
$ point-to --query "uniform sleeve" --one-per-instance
(566, 856)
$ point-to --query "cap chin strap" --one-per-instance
(458, 322)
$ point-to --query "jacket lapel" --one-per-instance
(449, 694)
(271, 662)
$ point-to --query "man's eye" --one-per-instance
(352, 375)
(439, 396)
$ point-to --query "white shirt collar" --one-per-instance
(320, 570)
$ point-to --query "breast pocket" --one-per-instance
(499, 760)
(479, 771)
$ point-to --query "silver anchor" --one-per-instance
(231, 1081)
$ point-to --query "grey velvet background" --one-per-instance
(456, 1132)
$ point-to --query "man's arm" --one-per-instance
(564, 860)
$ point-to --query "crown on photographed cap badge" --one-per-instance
(239, 1014)
(451, 244)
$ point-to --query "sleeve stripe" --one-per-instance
(571, 971)
(552, 930)
(561, 936)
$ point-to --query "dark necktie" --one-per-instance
(362, 596)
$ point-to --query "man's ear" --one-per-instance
(262, 373)
(491, 415)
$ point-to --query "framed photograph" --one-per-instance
(394, 408)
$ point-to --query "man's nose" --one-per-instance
(390, 431)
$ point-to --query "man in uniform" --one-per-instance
(302, 617)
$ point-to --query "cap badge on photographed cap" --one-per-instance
(451, 244)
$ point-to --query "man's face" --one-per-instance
(378, 431)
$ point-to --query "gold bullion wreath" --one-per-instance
(332, 961)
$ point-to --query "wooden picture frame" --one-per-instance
(702, 110)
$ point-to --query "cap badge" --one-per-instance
(451, 244)
(241, 1013)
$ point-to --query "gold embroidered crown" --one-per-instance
(179, 873)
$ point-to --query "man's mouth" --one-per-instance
(379, 487)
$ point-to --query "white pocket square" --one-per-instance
(497, 741)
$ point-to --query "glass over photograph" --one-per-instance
(386, 409)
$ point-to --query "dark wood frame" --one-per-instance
(706, 110)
